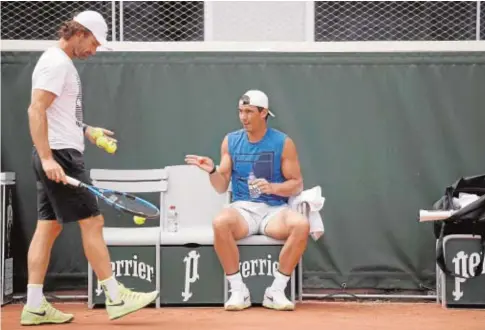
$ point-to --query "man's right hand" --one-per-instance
(204, 163)
(53, 170)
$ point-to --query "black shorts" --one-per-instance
(64, 203)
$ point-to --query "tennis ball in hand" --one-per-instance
(106, 144)
(111, 147)
(138, 220)
(96, 133)
(102, 141)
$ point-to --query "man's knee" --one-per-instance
(50, 228)
(223, 221)
(298, 223)
(230, 221)
(92, 224)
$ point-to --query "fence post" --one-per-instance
(113, 20)
(478, 20)
(121, 20)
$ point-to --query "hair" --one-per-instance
(70, 28)
(260, 109)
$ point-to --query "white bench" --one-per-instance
(134, 250)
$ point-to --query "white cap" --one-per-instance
(94, 22)
(255, 98)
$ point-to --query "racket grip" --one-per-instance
(426, 215)
(72, 181)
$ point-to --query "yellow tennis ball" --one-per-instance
(110, 147)
(107, 144)
(139, 220)
(102, 141)
(97, 133)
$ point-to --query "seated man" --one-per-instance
(259, 205)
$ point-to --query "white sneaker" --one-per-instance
(240, 299)
(276, 299)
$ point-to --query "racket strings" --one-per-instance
(131, 203)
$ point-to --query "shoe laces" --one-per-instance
(51, 310)
(129, 294)
(278, 295)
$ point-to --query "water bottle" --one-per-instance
(253, 190)
(172, 218)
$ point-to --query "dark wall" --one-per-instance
(383, 134)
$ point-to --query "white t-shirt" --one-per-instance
(56, 73)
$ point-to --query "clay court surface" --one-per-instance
(318, 315)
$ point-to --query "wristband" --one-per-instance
(213, 170)
(85, 127)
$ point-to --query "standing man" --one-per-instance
(259, 205)
(57, 131)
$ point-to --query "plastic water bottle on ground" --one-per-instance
(172, 218)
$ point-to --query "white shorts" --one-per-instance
(257, 215)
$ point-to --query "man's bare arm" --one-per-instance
(221, 177)
(290, 167)
(41, 101)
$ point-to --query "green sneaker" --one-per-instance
(45, 314)
(128, 302)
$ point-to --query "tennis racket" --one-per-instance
(119, 200)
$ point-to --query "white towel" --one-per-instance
(464, 199)
(315, 200)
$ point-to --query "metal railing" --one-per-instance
(127, 20)
(155, 21)
(397, 20)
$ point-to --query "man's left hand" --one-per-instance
(91, 136)
(264, 186)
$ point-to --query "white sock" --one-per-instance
(110, 286)
(280, 281)
(34, 295)
(235, 281)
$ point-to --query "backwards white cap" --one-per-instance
(256, 98)
(94, 22)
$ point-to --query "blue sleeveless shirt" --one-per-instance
(263, 158)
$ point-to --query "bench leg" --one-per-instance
(157, 272)
(305, 210)
(300, 280)
(90, 286)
